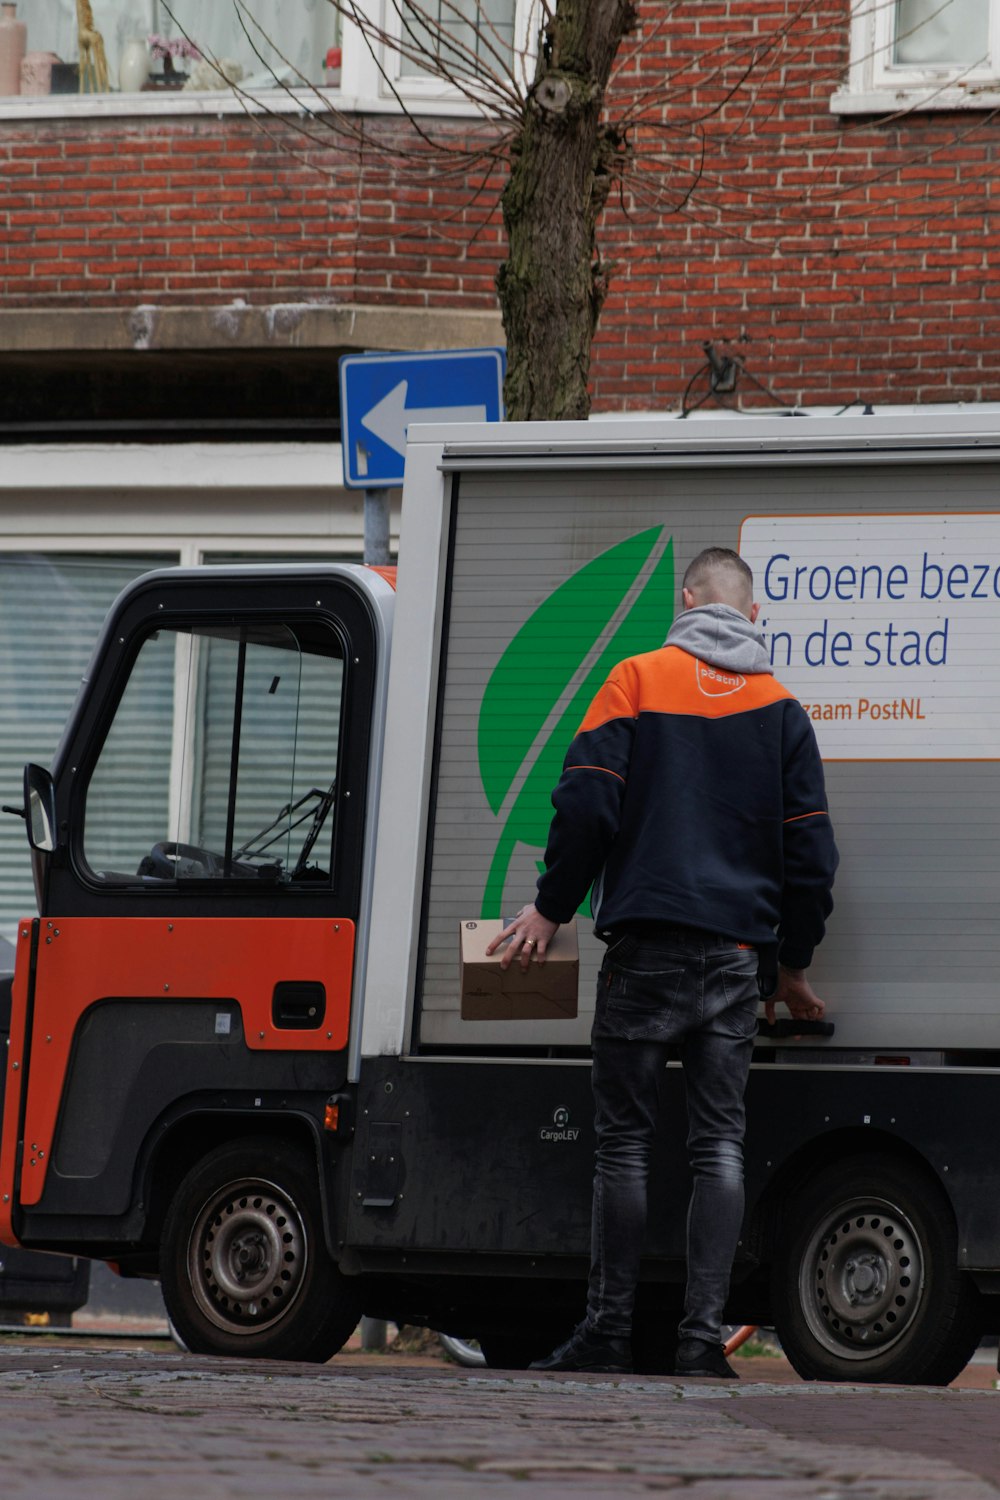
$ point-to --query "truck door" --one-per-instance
(199, 914)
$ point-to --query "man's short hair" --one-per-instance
(721, 575)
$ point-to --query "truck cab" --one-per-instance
(200, 857)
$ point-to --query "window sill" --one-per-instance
(909, 99)
(220, 102)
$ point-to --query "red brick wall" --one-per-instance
(189, 212)
(857, 258)
(842, 260)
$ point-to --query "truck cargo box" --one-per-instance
(875, 543)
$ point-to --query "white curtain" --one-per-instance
(942, 32)
(291, 36)
(302, 30)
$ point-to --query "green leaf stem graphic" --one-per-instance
(535, 670)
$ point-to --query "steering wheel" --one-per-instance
(169, 861)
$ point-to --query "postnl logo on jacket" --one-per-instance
(715, 683)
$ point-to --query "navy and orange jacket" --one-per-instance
(693, 793)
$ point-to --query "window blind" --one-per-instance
(51, 609)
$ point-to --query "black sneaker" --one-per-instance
(586, 1350)
(698, 1359)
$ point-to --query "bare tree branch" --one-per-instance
(679, 146)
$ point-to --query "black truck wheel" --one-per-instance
(244, 1266)
(866, 1283)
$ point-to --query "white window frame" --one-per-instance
(875, 85)
(380, 83)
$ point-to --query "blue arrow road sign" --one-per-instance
(381, 394)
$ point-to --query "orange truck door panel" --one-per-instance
(84, 960)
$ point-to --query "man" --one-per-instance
(693, 798)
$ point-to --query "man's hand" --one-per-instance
(530, 935)
(795, 991)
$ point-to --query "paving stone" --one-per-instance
(148, 1426)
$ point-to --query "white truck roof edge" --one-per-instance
(826, 436)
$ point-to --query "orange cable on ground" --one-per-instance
(739, 1338)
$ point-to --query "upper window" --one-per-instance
(153, 55)
(140, 46)
(439, 53)
(922, 54)
(458, 38)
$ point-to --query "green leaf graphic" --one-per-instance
(535, 670)
(541, 659)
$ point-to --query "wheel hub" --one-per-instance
(247, 1256)
(864, 1279)
(861, 1279)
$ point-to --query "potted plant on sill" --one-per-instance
(169, 51)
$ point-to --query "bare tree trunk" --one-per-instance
(553, 284)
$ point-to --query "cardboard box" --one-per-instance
(547, 992)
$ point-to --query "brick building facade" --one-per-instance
(842, 255)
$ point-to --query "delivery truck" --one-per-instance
(255, 1051)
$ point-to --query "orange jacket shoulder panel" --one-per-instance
(671, 681)
(675, 682)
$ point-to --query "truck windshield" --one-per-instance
(221, 759)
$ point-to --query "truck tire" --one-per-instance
(866, 1283)
(244, 1267)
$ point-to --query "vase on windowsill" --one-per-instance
(13, 45)
(133, 70)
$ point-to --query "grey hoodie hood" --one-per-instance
(720, 636)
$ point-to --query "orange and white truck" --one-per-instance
(238, 1057)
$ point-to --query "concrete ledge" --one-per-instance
(286, 325)
(126, 468)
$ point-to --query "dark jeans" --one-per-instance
(695, 992)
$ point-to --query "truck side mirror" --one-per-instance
(40, 808)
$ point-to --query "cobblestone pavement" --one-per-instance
(82, 1422)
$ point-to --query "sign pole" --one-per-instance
(377, 526)
(374, 1334)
